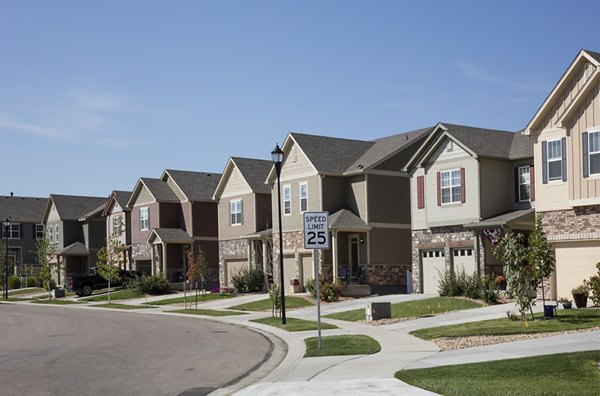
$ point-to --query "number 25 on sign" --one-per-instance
(316, 230)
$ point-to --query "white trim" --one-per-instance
(36, 231)
(597, 152)
(238, 204)
(283, 200)
(147, 226)
(528, 167)
(451, 187)
(300, 185)
(584, 202)
(560, 177)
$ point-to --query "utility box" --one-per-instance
(58, 293)
(379, 310)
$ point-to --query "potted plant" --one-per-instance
(580, 294)
(565, 302)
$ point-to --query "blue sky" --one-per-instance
(94, 94)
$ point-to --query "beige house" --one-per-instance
(244, 218)
(118, 223)
(566, 132)
(468, 186)
(362, 186)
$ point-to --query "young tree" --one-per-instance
(44, 250)
(540, 255)
(198, 270)
(108, 260)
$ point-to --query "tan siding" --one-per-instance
(176, 190)
(334, 194)
(358, 192)
(120, 238)
(53, 216)
(389, 199)
(144, 197)
(418, 216)
(497, 187)
(390, 246)
(236, 185)
(227, 231)
(294, 221)
(552, 195)
(296, 166)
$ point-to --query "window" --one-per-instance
(287, 200)
(235, 212)
(117, 225)
(144, 219)
(524, 183)
(554, 160)
(39, 231)
(13, 231)
(594, 152)
(303, 197)
(56, 234)
(450, 183)
(50, 234)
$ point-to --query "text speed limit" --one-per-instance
(316, 230)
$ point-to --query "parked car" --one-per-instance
(83, 285)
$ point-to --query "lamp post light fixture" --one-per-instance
(277, 157)
(6, 231)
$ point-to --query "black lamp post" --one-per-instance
(6, 231)
(277, 157)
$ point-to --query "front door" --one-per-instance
(354, 254)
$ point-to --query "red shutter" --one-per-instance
(439, 189)
(463, 195)
(517, 185)
(420, 192)
(532, 182)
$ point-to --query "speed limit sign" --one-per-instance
(316, 230)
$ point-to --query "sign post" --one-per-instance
(316, 236)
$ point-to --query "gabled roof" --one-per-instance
(582, 57)
(158, 188)
(479, 142)
(95, 212)
(22, 209)
(503, 219)
(169, 235)
(117, 197)
(196, 186)
(74, 249)
(254, 172)
(345, 220)
(73, 207)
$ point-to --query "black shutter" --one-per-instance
(586, 153)
(563, 145)
(516, 176)
(544, 162)
(532, 182)
(21, 231)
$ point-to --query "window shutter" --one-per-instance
(230, 212)
(420, 192)
(34, 231)
(544, 162)
(21, 231)
(532, 182)
(463, 190)
(517, 184)
(439, 189)
(586, 153)
(563, 145)
(242, 212)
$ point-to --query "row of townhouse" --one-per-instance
(403, 209)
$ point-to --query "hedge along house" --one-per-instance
(566, 132)
(75, 226)
(245, 234)
(170, 216)
(468, 186)
(118, 223)
(362, 186)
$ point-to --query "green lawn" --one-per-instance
(561, 374)
(566, 319)
(341, 345)
(293, 324)
(31, 290)
(414, 309)
(208, 312)
(265, 305)
(121, 306)
(124, 294)
(192, 298)
(55, 301)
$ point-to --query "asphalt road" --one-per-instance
(69, 351)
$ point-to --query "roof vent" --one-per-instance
(588, 70)
(360, 166)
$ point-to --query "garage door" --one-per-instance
(433, 264)
(575, 261)
(308, 270)
(463, 259)
(232, 267)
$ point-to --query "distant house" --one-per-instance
(170, 216)
(566, 132)
(469, 185)
(244, 217)
(118, 222)
(367, 194)
(25, 215)
(76, 227)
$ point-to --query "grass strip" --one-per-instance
(20, 292)
(566, 319)
(208, 312)
(293, 324)
(266, 305)
(339, 345)
(58, 302)
(192, 299)
(560, 374)
(125, 294)
(414, 309)
(121, 306)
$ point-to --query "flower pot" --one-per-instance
(567, 305)
(580, 300)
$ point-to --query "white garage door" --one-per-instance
(463, 259)
(308, 270)
(433, 265)
(575, 261)
(232, 267)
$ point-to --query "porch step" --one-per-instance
(357, 291)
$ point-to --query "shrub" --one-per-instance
(452, 284)
(14, 282)
(153, 285)
(594, 286)
(490, 289)
(32, 281)
(248, 280)
(330, 291)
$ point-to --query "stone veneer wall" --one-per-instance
(579, 223)
(444, 238)
(292, 243)
(234, 249)
(143, 249)
(387, 275)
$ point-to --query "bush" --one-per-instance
(472, 286)
(330, 291)
(14, 282)
(32, 281)
(490, 290)
(594, 285)
(153, 285)
(248, 280)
